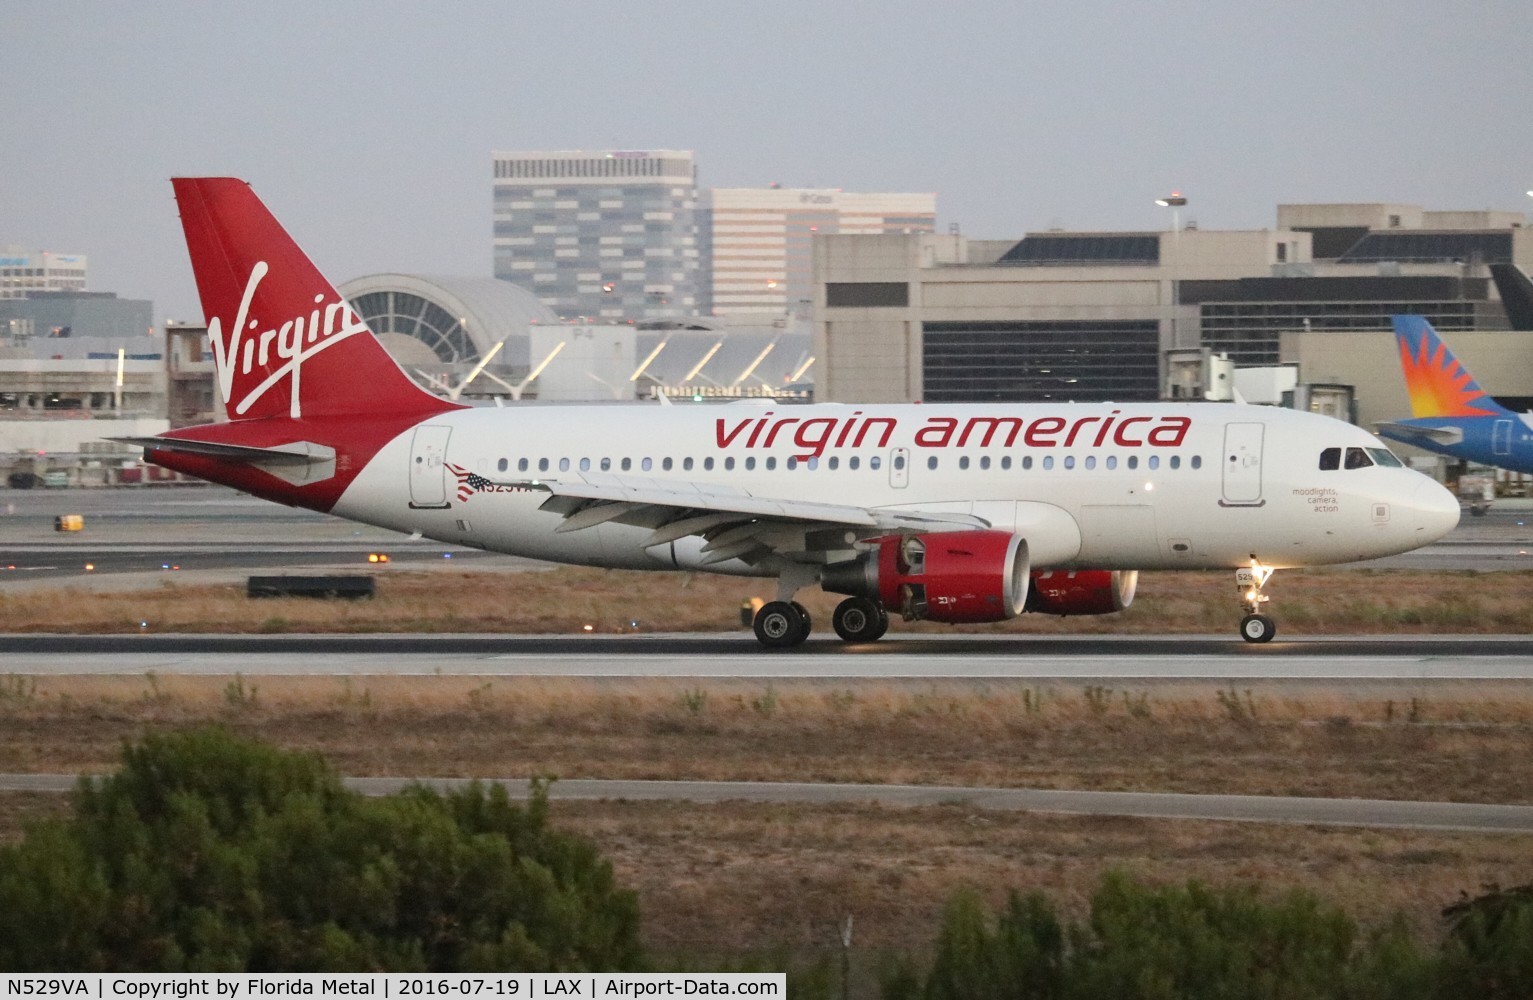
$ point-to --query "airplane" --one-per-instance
(1450, 413)
(950, 513)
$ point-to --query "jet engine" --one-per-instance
(1082, 592)
(957, 576)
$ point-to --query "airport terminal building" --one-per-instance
(1117, 316)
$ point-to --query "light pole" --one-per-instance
(1174, 201)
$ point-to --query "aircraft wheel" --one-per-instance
(858, 619)
(803, 613)
(779, 625)
(1257, 628)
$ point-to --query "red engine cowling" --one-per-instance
(957, 576)
(1082, 592)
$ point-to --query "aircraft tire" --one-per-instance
(779, 625)
(1257, 628)
(858, 619)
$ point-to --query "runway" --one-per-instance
(738, 655)
(1457, 817)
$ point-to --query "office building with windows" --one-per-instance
(757, 243)
(600, 235)
(24, 271)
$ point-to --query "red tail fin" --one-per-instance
(285, 344)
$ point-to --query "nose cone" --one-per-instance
(1435, 512)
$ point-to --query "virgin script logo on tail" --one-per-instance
(295, 341)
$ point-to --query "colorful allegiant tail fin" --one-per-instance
(1439, 385)
(285, 344)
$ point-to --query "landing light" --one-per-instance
(1149, 487)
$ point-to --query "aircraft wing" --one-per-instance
(1436, 435)
(734, 523)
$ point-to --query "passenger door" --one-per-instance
(1243, 464)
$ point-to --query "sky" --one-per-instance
(368, 128)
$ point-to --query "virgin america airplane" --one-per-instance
(947, 513)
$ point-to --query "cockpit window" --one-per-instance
(1386, 458)
(1357, 458)
(1330, 460)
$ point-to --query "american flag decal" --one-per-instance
(469, 483)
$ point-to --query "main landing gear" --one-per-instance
(781, 624)
(1255, 626)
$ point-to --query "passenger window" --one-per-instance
(1091, 461)
(1154, 462)
(729, 464)
(814, 462)
(984, 461)
(665, 464)
(564, 465)
(835, 463)
(1330, 460)
(750, 463)
(606, 465)
(899, 462)
(542, 465)
(686, 464)
(853, 462)
(1197, 461)
(708, 464)
(1112, 461)
(771, 462)
(1006, 461)
(628, 464)
(1176, 461)
(931, 461)
(502, 465)
(875, 462)
(1048, 461)
(1027, 461)
(792, 462)
(521, 465)
(585, 465)
(645, 465)
(963, 461)
(1358, 459)
(1133, 461)
(1069, 461)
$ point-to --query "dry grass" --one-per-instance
(1449, 744)
(736, 878)
(568, 599)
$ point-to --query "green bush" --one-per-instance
(206, 852)
(1186, 942)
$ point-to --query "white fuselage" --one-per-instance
(1106, 486)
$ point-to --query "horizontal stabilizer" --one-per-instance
(297, 453)
(1436, 435)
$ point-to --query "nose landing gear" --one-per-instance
(1255, 626)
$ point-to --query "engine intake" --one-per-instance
(957, 576)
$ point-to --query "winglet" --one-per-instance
(1438, 384)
